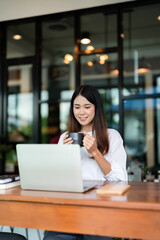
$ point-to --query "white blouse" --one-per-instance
(116, 157)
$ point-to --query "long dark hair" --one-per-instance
(99, 127)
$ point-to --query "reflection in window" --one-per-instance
(141, 49)
(102, 33)
(110, 103)
(54, 117)
(64, 112)
(158, 132)
(64, 109)
(44, 122)
(103, 76)
(21, 40)
(58, 71)
(20, 104)
(141, 117)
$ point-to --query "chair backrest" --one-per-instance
(11, 236)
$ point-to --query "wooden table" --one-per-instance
(136, 214)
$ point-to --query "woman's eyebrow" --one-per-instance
(87, 104)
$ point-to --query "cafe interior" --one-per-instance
(114, 47)
(44, 56)
(46, 51)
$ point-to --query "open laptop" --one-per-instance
(50, 167)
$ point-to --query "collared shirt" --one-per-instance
(116, 157)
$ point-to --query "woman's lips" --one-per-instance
(83, 118)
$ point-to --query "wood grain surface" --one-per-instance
(135, 214)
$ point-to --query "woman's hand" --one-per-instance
(67, 140)
(89, 143)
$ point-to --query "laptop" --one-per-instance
(51, 167)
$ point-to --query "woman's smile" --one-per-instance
(82, 118)
(84, 112)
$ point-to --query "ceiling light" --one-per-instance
(143, 70)
(158, 18)
(103, 57)
(144, 66)
(68, 57)
(17, 37)
(90, 63)
(89, 48)
(85, 38)
(122, 35)
(114, 72)
(102, 61)
(113, 69)
(65, 61)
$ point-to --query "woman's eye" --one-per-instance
(87, 107)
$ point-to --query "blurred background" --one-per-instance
(114, 47)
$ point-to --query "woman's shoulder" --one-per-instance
(113, 133)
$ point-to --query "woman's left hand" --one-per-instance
(89, 143)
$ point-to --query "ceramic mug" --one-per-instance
(77, 138)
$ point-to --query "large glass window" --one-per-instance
(57, 57)
(141, 78)
(158, 128)
(21, 40)
(141, 122)
(19, 112)
(157, 121)
(134, 96)
(100, 71)
(55, 117)
(101, 29)
(20, 103)
(141, 49)
(58, 76)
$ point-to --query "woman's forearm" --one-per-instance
(102, 162)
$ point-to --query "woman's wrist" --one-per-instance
(102, 162)
(95, 152)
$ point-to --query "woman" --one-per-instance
(103, 155)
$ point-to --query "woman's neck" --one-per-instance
(86, 129)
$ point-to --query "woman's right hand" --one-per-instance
(67, 140)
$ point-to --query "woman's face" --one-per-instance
(84, 112)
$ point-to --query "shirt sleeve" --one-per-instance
(117, 158)
(61, 139)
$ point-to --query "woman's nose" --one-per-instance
(81, 110)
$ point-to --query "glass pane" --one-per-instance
(141, 49)
(11, 164)
(58, 71)
(21, 40)
(55, 118)
(100, 71)
(141, 119)
(102, 33)
(20, 103)
(158, 127)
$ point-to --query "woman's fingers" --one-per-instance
(89, 139)
(67, 140)
(89, 143)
